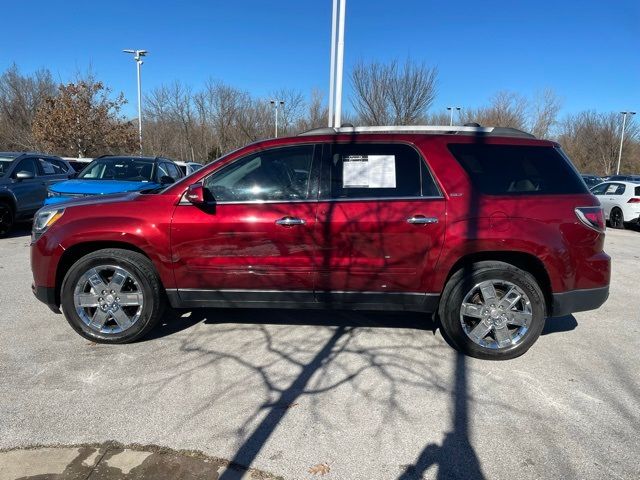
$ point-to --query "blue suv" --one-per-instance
(116, 174)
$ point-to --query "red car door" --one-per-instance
(257, 235)
(381, 222)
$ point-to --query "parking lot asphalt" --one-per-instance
(348, 395)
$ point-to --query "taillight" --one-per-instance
(592, 217)
(634, 200)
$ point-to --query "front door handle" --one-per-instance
(421, 220)
(290, 221)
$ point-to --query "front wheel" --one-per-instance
(6, 219)
(492, 310)
(112, 296)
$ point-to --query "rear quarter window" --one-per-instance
(518, 169)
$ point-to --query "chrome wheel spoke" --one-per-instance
(99, 319)
(509, 300)
(117, 281)
(519, 318)
(472, 310)
(130, 299)
(87, 300)
(488, 292)
(502, 335)
(121, 318)
(479, 332)
(96, 280)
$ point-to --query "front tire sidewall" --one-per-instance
(150, 309)
(455, 293)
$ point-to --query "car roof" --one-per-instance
(133, 157)
(468, 129)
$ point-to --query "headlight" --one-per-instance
(44, 219)
(53, 194)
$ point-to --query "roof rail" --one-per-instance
(431, 129)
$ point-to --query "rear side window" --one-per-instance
(637, 194)
(51, 167)
(518, 169)
(378, 171)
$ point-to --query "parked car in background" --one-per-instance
(591, 180)
(24, 179)
(188, 167)
(78, 163)
(622, 178)
(620, 201)
(489, 227)
(116, 174)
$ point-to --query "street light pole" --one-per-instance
(137, 56)
(337, 62)
(275, 103)
(451, 117)
(624, 124)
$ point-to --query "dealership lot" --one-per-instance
(371, 395)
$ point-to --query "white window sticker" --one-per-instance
(612, 188)
(369, 171)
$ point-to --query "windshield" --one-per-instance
(5, 164)
(127, 169)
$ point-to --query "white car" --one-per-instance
(620, 201)
(188, 167)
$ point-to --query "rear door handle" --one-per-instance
(290, 221)
(421, 220)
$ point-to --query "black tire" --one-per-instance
(463, 281)
(7, 218)
(153, 305)
(616, 218)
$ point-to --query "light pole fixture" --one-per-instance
(137, 56)
(451, 109)
(624, 124)
(275, 104)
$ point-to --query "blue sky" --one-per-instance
(588, 51)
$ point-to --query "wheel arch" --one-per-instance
(74, 253)
(522, 260)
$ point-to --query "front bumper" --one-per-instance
(46, 295)
(573, 301)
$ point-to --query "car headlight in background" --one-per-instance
(43, 219)
(51, 194)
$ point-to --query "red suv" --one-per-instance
(490, 228)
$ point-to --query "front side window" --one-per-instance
(128, 169)
(517, 169)
(280, 174)
(369, 171)
(27, 165)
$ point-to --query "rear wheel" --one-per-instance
(492, 310)
(616, 218)
(112, 296)
(6, 218)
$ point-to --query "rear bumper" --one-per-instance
(573, 301)
(46, 295)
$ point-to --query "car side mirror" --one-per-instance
(24, 175)
(195, 194)
(166, 180)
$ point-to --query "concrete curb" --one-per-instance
(112, 460)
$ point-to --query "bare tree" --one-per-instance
(20, 97)
(544, 113)
(386, 94)
(506, 109)
(592, 141)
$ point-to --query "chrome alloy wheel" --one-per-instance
(108, 299)
(496, 314)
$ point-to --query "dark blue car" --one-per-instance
(111, 174)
